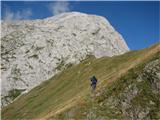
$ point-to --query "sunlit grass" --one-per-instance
(53, 94)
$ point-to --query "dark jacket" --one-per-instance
(93, 80)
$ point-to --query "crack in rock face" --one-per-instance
(35, 50)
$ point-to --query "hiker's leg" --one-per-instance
(94, 86)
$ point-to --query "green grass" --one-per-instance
(15, 93)
(112, 96)
(53, 94)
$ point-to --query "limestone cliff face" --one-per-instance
(32, 51)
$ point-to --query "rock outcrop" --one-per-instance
(32, 51)
(139, 99)
(151, 73)
(148, 81)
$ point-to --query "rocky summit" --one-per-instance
(33, 51)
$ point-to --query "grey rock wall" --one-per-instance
(33, 51)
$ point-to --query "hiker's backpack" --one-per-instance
(94, 80)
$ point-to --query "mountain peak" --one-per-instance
(35, 50)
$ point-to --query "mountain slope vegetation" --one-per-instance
(67, 95)
(133, 96)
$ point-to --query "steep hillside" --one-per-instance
(133, 96)
(33, 51)
(67, 95)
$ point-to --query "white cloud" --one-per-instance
(19, 15)
(59, 7)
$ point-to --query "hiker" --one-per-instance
(94, 82)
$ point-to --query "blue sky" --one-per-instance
(137, 22)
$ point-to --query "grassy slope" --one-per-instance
(107, 103)
(70, 87)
